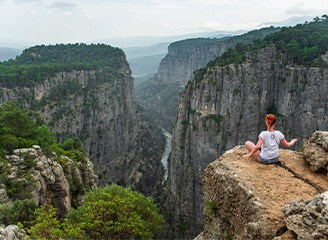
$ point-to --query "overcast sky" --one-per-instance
(57, 21)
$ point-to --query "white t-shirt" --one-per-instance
(269, 148)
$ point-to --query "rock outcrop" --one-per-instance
(244, 199)
(308, 218)
(29, 174)
(316, 151)
(226, 107)
(12, 232)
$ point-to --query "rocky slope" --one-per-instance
(160, 94)
(248, 200)
(29, 174)
(98, 106)
(226, 106)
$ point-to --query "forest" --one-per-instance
(302, 44)
(40, 62)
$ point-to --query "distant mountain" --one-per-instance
(144, 61)
(9, 53)
(144, 50)
(145, 41)
(134, 52)
(292, 21)
(145, 64)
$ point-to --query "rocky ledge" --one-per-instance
(29, 174)
(245, 199)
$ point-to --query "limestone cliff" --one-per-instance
(160, 94)
(29, 174)
(247, 200)
(97, 105)
(226, 106)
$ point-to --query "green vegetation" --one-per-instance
(272, 109)
(40, 62)
(112, 212)
(19, 130)
(183, 47)
(21, 211)
(47, 227)
(210, 207)
(302, 44)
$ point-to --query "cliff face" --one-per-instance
(227, 107)
(247, 200)
(98, 106)
(160, 94)
(29, 174)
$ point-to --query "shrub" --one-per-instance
(114, 212)
(21, 211)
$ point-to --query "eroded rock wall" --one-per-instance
(99, 107)
(29, 174)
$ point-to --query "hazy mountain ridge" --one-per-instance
(8, 53)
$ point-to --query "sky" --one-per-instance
(63, 21)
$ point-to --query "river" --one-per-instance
(166, 152)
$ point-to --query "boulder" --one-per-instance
(308, 219)
(244, 199)
(316, 151)
(12, 232)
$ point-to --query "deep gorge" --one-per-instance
(208, 96)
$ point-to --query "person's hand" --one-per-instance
(293, 141)
(248, 155)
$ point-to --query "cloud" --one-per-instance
(26, 1)
(308, 8)
(64, 6)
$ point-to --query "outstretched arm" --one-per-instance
(288, 144)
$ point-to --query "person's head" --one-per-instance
(270, 120)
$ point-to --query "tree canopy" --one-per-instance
(19, 130)
(111, 212)
(40, 62)
(303, 44)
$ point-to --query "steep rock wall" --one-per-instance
(160, 94)
(99, 107)
(227, 107)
